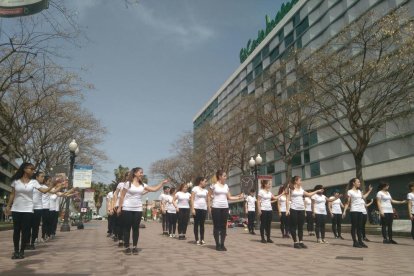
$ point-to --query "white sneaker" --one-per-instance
(319, 241)
(323, 241)
(171, 235)
(203, 242)
(198, 243)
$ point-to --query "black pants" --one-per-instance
(199, 219)
(320, 226)
(356, 226)
(251, 216)
(172, 222)
(296, 221)
(45, 223)
(309, 221)
(164, 221)
(132, 219)
(336, 225)
(265, 223)
(284, 223)
(183, 217)
(22, 222)
(220, 216)
(111, 219)
(37, 217)
(119, 229)
(412, 226)
(364, 222)
(55, 220)
(386, 225)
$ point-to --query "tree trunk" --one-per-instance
(288, 170)
(358, 169)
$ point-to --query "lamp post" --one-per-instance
(146, 209)
(254, 164)
(74, 149)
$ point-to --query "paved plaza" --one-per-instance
(90, 252)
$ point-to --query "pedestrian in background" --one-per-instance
(250, 210)
(335, 209)
(199, 206)
(183, 213)
(281, 207)
(171, 211)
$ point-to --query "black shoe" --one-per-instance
(223, 248)
(116, 239)
(269, 241)
(357, 245)
(30, 247)
(183, 238)
(393, 242)
(385, 241)
(120, 244)
(21, 255)
(302, 245)
(263, 241)
(15, 256)
(366, 239)
(218, 247)
(135, 251)
(363, 245)
(296, 245)
(342, 238)
(127, 251)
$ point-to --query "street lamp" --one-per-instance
(146, 209)
(74, 149)
(254, 164)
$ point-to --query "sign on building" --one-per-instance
(82, 176)
(15, 8)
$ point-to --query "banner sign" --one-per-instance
(246, 183)
(82, 176)
(89, 195)
(15, 8)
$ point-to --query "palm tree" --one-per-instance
(101, 190)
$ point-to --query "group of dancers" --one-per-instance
(295, 205)
(35, 199)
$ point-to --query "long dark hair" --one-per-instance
(36, 175)
(293, 181)
(351, 183)
(20, 172)
(219, 173)
(198, 180)
(382, 185)
(132, 175)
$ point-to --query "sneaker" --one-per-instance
(269, 241)
(363, 245)
(223, 248)
(393, 242)
(342, 238)
(120, 244)
(357, 245)
(324, 241)
(318, 241)
(253, 233)
(198, 242)
(385, 241)
(116, 239)
(127, 251)
(15, 256)
(263, 241)
(30, 247)
(203, 242)
(171, 235)
(296, 245)
(301, 244)
(21, 255)
(366, 239)
(135, 251)
(183, 238)
(218, 247)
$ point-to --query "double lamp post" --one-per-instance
(254, 166)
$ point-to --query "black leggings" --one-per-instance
(309, 221)
(22, 222)
(356, 226)
(164, 223)
(265, 223)
(364, 222)
(132, 219)
(320, 226)
(55, 219)
(386, 225)
(199, 219)
(119, 226)
(110, 224)
(172, 222)
(284, 223)
(46, 222)
(336, 224)
(296, 220)
(219, 224)
(37, 217)
(251, 215)
(183, 217)
(412, 226)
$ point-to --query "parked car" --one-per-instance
(96, 217)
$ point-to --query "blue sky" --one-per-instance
(155, 64)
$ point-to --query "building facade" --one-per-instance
(324, 158)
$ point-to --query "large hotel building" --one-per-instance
(324, 158)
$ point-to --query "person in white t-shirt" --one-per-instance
(119, 229)
(365, 219)
(199, 207)
(356, 199)
(250, 210)
(295, 208)
(171, 212)
(281, 207)
(384, 203)
(110, 212)
(37, 210)
(410, 199)
(164, 220)
(220, 194)
(183, 203)
(319, 212)
(21, 206)
(130, 204)
(310, 220)
(264, 201)
(335, 209)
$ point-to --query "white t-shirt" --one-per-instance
(120, 186)
(357, 201)
(45, 198)
(58, 201)
(23, 195)
(320, 204)
(110, 195)
(308, 204)
(364, 211)
(385, 199)
(169, 204)
(52, 202)
(251, 203)
(336, 206)
(220, 195)
(265, 200)
(282, 203)
(37, 198)
(410, 196)
(183, 200)
(200, 198)
(133, 198)
(296, 197)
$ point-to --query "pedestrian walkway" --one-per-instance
(90, 252)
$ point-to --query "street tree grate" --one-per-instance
(349, 258)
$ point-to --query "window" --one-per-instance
(274, 54)
(296, 19)
(289, 40)
(315, 169)
(249, 77)
(265, 52)
(258, 70)
(313, 137)
(297, 160)
(299, 43)
(244, 92)
(270, 168)
(301, 28)
(257, 59)
(306, 156)
(280, 35)
(278, 180)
